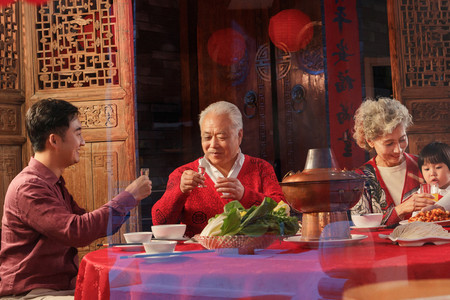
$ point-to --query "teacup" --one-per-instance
(367, 220)
(138, 237)
(159, 246)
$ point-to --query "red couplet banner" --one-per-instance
(344, 88)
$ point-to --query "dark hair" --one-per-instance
(48, 116)
(435, 153)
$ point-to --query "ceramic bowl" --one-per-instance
(160, 246)
(169, 231)
(367, 220)
(138, 237)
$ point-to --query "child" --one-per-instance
(434, 163)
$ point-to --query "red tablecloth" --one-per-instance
(285, 270)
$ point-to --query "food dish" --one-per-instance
(355, 238)
(375, 228)
(416, 242)
(442, 223)
(134, 248)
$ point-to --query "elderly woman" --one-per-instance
(393, 175)
(193, 198)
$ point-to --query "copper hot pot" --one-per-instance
(323, 193)
(319, 190)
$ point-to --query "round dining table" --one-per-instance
(285, 270)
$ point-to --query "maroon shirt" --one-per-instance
(42, 226)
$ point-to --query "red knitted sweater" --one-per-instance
(196, 208)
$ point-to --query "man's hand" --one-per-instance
(140, 188)
(190, 180)
(231, 188)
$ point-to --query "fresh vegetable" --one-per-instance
(268, 218)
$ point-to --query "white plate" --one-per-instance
(130, 248)
(326, 243)
(417, 242)
(442, 223)
(368, 228)
(160, 255)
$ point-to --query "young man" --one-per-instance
(42, 225)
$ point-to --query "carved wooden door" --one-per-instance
(280, 93)
(81, 52)
(420, 47)
(12, 98)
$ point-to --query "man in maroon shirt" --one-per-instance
(42, 225)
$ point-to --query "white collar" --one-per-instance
(213, 173)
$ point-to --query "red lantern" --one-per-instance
(290, 29)
(226, 46)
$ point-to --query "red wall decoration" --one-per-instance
(344, 88)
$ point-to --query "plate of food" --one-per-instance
(437, 216)
(374, 228)
(355, 238)
(442, 222)
(418, 234)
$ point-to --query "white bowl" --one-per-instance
(160, 246)
(367, 220)
(169, 231)
(138, 237)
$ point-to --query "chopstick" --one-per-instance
(166, 254)
(125, 244)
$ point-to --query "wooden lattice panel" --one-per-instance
(98, 116)
(10, 166)
(424, 30)
(9, 56)
(10, 119)
(76, 44)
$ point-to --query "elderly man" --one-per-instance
(42, 225)
(193, 198)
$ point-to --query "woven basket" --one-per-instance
(245, 244)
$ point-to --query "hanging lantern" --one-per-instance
(226, 46)
(290, 29)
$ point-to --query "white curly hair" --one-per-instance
(378, 117)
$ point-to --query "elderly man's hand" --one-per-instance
(231, 188)
(190, 180)
(415, 202)
(140, 188)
